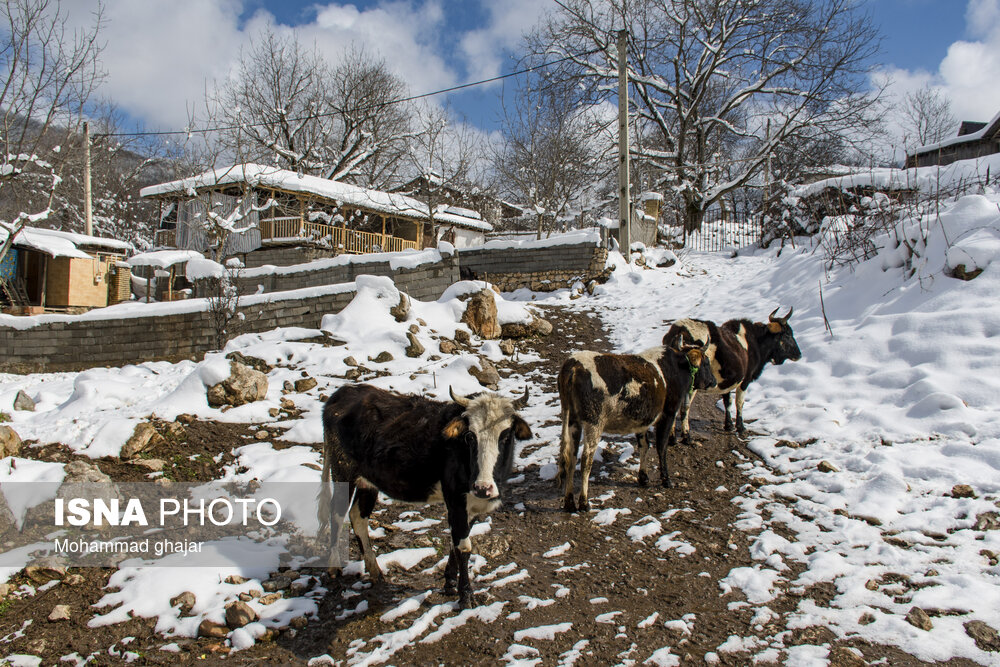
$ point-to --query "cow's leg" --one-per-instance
(591, 438)
(740, 393)
(361, 509)
(643, 439)
(663, 438)
(568, 443)
(461, 547)
(728, 424)
(685, 411)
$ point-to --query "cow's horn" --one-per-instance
(461, 400)
(785, 318)
(771, 317)
(523, 401)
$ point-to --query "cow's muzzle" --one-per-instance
(481, 490)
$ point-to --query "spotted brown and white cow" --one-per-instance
(622, 394)
(415, 449)
(737, 352)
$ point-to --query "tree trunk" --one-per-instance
(541, 224)
(693, 216)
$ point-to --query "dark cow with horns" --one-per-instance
(737, 351)
(622, 393)
(416, 449)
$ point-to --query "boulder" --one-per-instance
(984, 635)
(45, 572)
(239, 614)
(209, 628)
(401, 311)
(60, 612)
(962, 491)
(826, 466)
(481, 315)
(383, 357)
(144, 437)
(185, 601)
(10, 442)
(918, 618)
(244, 385)
(414, 349)
(447, 346)
(841, 656)
(23, 402)
(252, 362)
(535, 327)
(81, 472)
(462, 337)
(507, 346)
(350, 361)
(485, 373)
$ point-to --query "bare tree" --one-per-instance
(550, 153)
(706, 76)
(926, 117)
(444, 154)
(51, 72)
(286, 105)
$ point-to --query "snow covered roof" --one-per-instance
(390, 203)
(63, 244)
(163, 258)
(987, 130)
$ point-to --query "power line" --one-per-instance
(222, 128)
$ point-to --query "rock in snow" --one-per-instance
(244, 385)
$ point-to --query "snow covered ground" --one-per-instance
(900, 402)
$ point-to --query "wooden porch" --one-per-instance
(347, 240)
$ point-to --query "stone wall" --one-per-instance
(543, 269)
(426, 281)
(284, 255)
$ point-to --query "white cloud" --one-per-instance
(484, 48)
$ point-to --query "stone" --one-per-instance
(962, 491)
(534, 327)
(963, 273)
(481, 315)
(185, 601)
(270, 598)
(918, 618)
(262, 435)
(299, 588)
(173, 431)
(414, 329)
(144, 437)
(463, 337)
(401, 311)
(274, 412)
(485, 373)
(984, 635)
(447, 346)
(209, 628)
(74, 579)
(43, 574)
(299, 622)
(239, 614)
(841, 656)
(421, 322)
(866, 618)
(350, 361)
(414, 349)
(987, 521)
(287, 404)
(871, 585)
(4, 591)
(826, 466)
(275, 584)
(10, 442)
(383, 357)
(37, 646)
(252, 362)
(287, 387)
(61, 612)
(244, 385)
(153, 465)
(186, 419)
(507, 346)
(352, 374)
(81, 472)
(791, 444)
(23, 402)
(236, 579)
(305, 384)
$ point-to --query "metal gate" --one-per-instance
(724, 230)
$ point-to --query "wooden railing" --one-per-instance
(350, 240)
(165, 238)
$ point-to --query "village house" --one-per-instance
(427, 187)
(300, 217)
(51, 270)
(974, 139)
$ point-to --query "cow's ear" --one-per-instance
(454, 428)
(774, 327)
(521, 429)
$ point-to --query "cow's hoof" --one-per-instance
(450, 588)
(740, 431)
(728, 426)
(334, 573)
(465, 601)
(584, 505)
(569, 505)
(665, 483)
(643, 478)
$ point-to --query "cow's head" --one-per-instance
(490, 424)
(784, 346)
(698, 365)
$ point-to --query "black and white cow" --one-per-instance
(622, 394)
(737, 351)
(416, 449)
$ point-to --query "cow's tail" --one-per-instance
(324, 500)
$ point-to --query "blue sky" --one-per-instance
(158, 77)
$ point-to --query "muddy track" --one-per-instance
(616, 592)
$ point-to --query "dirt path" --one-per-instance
(557, 588)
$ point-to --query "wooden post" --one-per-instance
(302, 216)
(87, 204)
(420, 235)
(385, 243)
(45, 279)
(624, 207)
(170, 284)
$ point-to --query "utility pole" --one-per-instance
(624, 200)
(767, 168)
(88, 212)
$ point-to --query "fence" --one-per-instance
(721, 231)
(352, 241)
